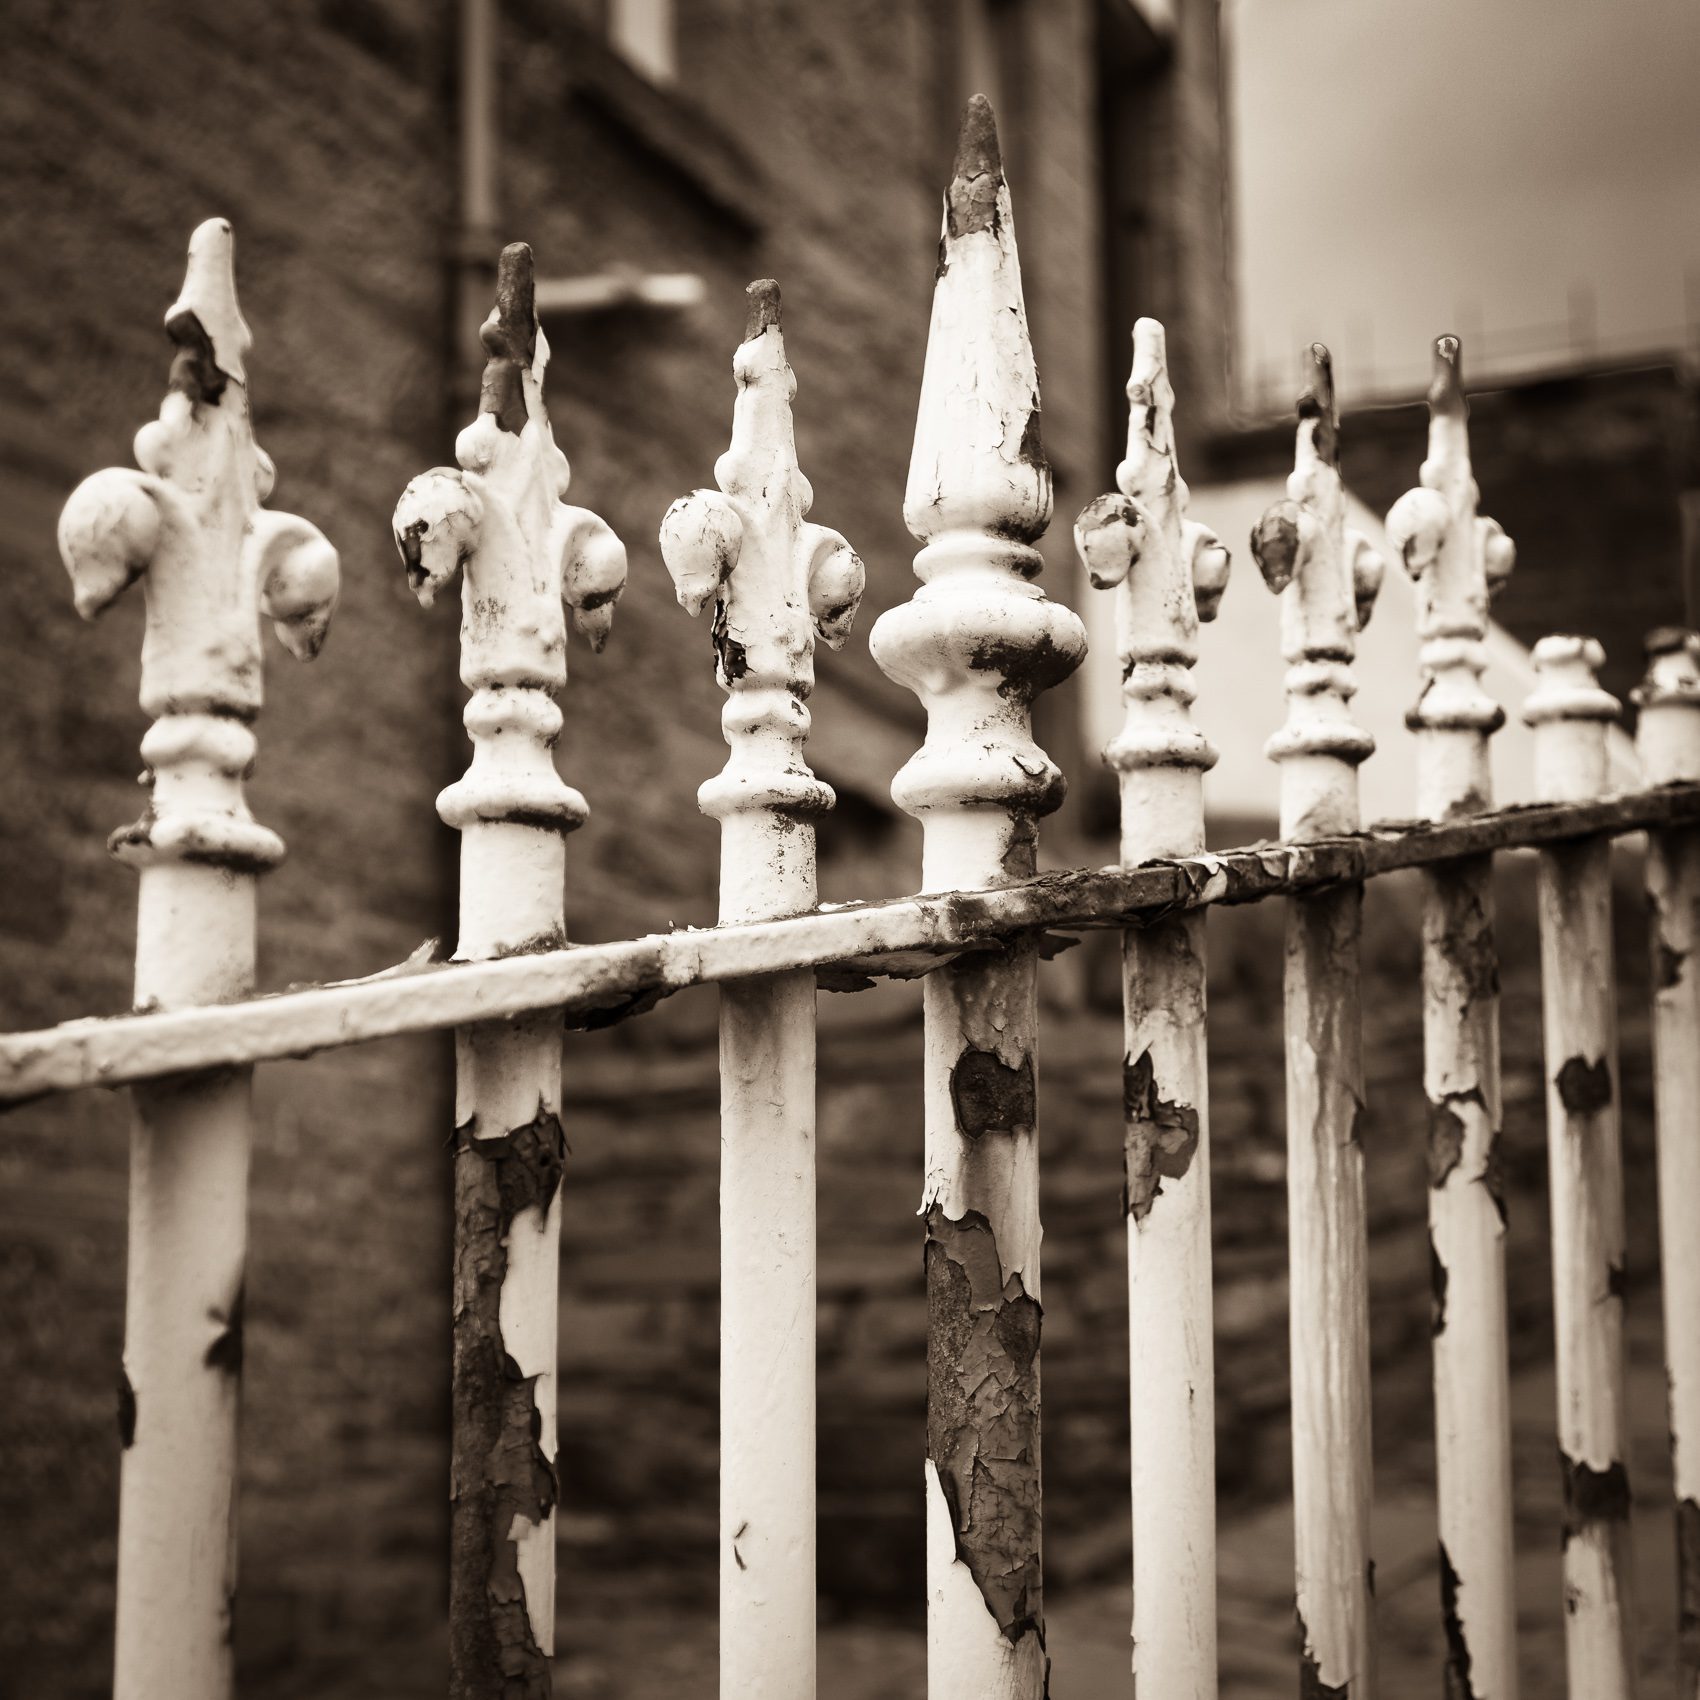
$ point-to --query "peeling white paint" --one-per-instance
(976, 643)
(1585, 1176)
(1170, 572)
(189, 525)
(525, 557)
(1327, 583)
(1459, 560)
(1668, 734)
(779, 583)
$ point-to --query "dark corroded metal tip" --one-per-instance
(977, 176)
(511, 330)
(1317, 403)
(509, 336)
(1446, 391)
(763, 296)
(977, 151)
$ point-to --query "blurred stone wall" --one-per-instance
(805, 142)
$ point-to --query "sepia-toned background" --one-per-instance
(1256, 176)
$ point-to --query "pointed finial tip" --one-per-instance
(764, 310)
(1446, 391)
(205, 320)
(510, 333)
(977, 150)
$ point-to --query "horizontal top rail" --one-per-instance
(597, 985)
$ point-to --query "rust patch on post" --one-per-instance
(988, 1096)
(225, 1353)
(1466, 941)
(1162, 1136)
(195, 371)
(1458, 1684)
(983, 1415)
(971, 201)
(1437, 1283)
(1688, 1585)
(1584, 1087)
(499, 1471)
(1024, 669)
(1311, 1685)
(126, 1411)
(1592, 1496)
(730, 657)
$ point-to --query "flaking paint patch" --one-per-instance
(1162, 1135)
(501, 1480)
(1458, 1682)
(1311, 1685)
(1438, 1278)
(1688, 1585)
(1465, 938)
(1584, 1087)
(225, 1352)
(195, 371)
(988, 1096)
(1592, 1496)
(126, 1411)
(983, 1415)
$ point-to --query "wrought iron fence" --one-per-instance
(977, 643)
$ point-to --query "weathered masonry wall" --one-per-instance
(810, 149)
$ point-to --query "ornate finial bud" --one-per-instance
(978, 642)
(528, 557)
(778, 582)
(1458, 560)
(1667, 734)
(1172, 572)
(1569, 712)
(214, 561)
(1328, 575)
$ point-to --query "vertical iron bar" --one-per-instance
(977, 643)
(1569, 713)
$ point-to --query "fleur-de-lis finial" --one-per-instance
(528, 556)
(778, 582)
(1327, 574)
(1458, 559)
(1172, 572)
(213, 561)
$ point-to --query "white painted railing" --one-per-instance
(977, 643)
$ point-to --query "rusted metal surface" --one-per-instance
(1326, 576)
(212, 562)
(525, 557)
(1171, 572)
(977, 644)
(1668, 738)
(777, 582)
(1458, 560)
(847, 944)
(1569, 713)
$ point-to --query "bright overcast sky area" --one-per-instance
(1524, 172)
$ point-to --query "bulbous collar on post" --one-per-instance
(212, 562)
(1458, 559)
(777, 581)
(1569, 713)
(1171, 572)
(978, 642)
(527, 557)
(1668, 733)
(1327, 575)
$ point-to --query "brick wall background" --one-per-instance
(808, 142)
